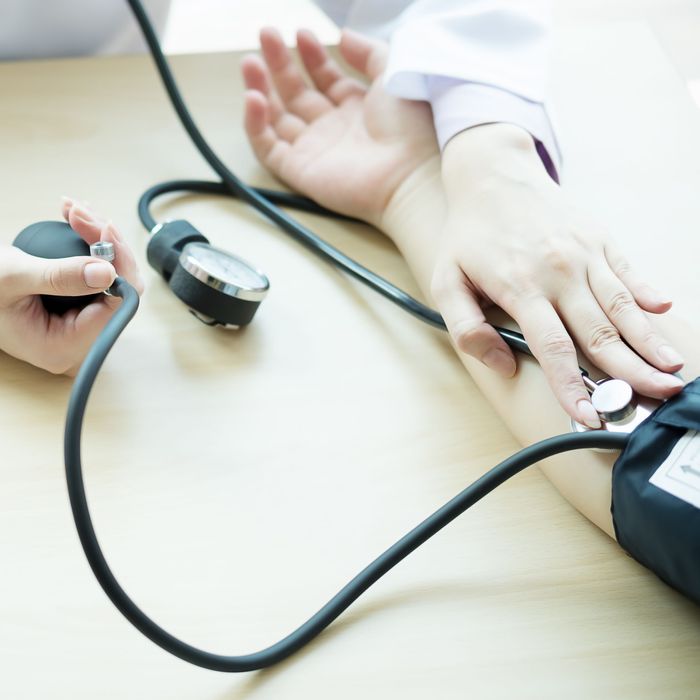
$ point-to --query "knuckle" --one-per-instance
(621, 267)
(516, 290)
(440, 286)
(621, 303)
(559, 256)
(557, 345)
(651, 335)
(601, 336)
(56, 278)
(516, 279)
(593, 235)
(515, 298)
(651, 338)
(570, 384)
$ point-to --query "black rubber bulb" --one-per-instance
(55, 239)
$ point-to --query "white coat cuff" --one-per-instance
(459, 105)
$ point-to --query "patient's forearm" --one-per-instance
(525, 402)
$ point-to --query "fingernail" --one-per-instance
(98, 275)
(499, 361)
(669, 355)
(667, 381)
(588, 414)
(82, 213)
(658, 296)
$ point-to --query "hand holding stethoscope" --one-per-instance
(510, 237)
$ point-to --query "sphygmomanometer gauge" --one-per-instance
(219, 288)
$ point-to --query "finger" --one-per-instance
(620, 306)
(54, 343)
(75, 276)
(555, 351)
(324, 72)
(93, 228)
(287, 79)
(85, 222)
(66, 204)
(85, 328)
(296, 96)
(269, 148)
(466, 322)
(257, 123)
(256, 77)
(364, 55)
(645, 295)
(75, 331)
(600, 340)
(68, 338)
(124, 260)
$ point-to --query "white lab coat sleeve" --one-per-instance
(476, 62)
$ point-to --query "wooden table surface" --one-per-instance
(237, 480)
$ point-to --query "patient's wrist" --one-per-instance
(488, 155)
(418, 202)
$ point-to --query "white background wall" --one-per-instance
(222, 25)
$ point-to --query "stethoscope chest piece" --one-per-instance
(620, 409)
(219, 288)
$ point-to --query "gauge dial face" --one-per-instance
(224, 271)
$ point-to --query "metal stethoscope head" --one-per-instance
(619, 407)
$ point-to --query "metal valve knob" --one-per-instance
(103, 250)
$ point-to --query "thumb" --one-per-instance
(365, 55)
(76, 276)
(467, 324)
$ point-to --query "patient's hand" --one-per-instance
(503, 233)
(59, 343)
(345, 145)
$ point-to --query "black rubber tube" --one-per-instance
(262, 200)
(281, 199)
(247, 194)
(347, 595)
(515, 340)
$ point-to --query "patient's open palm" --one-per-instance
(345, 145)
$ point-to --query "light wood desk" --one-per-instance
(238, 480)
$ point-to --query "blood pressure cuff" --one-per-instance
(656, 492)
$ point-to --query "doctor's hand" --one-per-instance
(346, 145)
(59, 343)
(512, 239)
